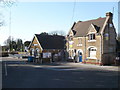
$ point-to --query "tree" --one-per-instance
(44, 33)
(7, 42)
(56, 32)
(1, 23)
(1, 20)
(14, 45)
(19, 45)
(27, 43)
(10, 42)
(3, 4)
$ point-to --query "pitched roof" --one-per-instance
(51, 41)
(81, 27)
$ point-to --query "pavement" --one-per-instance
(23, 74)
(75, 66)
(0, 75)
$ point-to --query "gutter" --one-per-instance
(85, 50)
(101, 49)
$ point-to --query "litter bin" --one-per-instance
(30, 58)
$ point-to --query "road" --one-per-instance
(21, 74)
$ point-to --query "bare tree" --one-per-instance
(17, 44)
(9, 42)
(3, 4)
(7, 3)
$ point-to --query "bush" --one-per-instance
(24, 56)
(4, 54)
(13, 52)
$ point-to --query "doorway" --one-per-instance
(79, 52)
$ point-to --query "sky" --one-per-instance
(29, 18)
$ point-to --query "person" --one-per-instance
(41, 56)
(74, 55)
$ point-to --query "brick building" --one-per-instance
(93, 41)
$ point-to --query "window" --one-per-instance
(80, 40)
(32, 52)
(91, 36)
(70, 38)
(37, 51)
(92, 52)
(110, 25)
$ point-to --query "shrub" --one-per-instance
(4, 54)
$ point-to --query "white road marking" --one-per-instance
(61, 69)
(58, 68)
(6, 69)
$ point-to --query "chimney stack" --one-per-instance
(109, 14)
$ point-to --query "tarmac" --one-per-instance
(65, 63)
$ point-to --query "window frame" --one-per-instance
(92, 37)
(91, 49)
(79, 42)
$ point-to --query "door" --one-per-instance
(93, 52)
(80, 56)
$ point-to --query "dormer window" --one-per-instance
(70, 38)
(91, 36)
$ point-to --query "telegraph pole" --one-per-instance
(10, 29)
(119, 34)
(9, 4)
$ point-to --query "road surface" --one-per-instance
(18, 73)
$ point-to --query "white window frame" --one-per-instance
(90, 50)
(79, 42)
(91, 38)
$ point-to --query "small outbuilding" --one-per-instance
(47, 47)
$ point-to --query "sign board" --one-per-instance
(47, 55)
(106, 36)
(71, 44)
(35, 44)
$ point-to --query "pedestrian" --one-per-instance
(74, 55)
(41, 56)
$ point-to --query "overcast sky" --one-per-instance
(29, 18)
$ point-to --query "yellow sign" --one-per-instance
(106, 36)
(70, 46)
